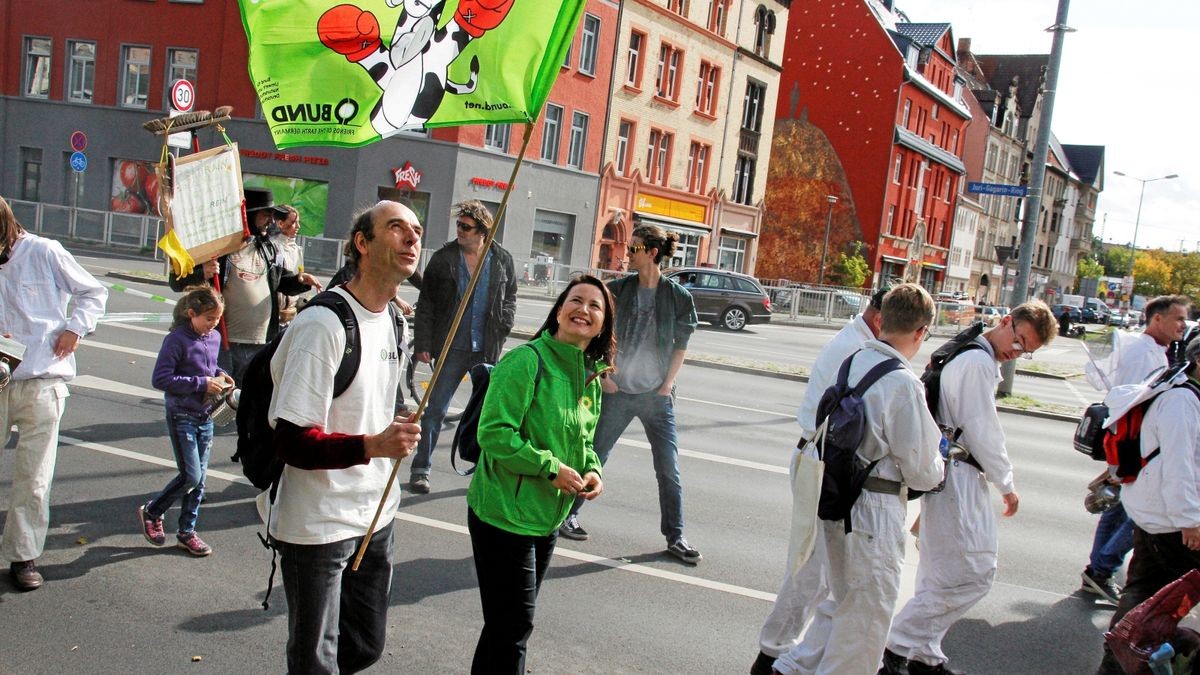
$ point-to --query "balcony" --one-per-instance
(748, 142)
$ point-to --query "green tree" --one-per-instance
(1151, 274)
(1116, 261)
(851, 268)
(1088, 268)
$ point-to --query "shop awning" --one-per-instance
(677, 224)
(893, 259)
(740, 233)
(933, 266)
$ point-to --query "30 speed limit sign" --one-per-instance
(183, 95)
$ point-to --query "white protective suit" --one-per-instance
(803, 590)
(1141, 358)
(1166, 496)
(959, 543)
(850, 628)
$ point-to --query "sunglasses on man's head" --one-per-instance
(636, 249)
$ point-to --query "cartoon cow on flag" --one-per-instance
(412, 72)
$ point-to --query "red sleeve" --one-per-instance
(311, 449)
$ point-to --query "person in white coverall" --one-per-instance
(806, 586)
(1140, 357)
(959, 543)
(848, 632)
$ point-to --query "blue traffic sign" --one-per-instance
(997, 189)
(78, 161)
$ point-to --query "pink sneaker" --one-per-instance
(152, 528)
(192, 543)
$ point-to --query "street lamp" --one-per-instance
(825, 247)
(1137, 221)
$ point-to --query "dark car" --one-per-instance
(1074, 312)
(724, 298)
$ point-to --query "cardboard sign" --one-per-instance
(205, 205)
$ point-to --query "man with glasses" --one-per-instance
(484, 326)
(959, 543)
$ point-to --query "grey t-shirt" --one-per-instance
(247, 296)
(637, 357)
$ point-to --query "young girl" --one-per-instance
(187, 371)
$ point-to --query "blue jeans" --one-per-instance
(337, 619)
(191, 439)
(235, 359)
(1114, 539)
(510, 568)
(657, 414)
(458, 363)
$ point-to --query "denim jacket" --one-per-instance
(674, 311)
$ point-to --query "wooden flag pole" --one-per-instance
(462, 306)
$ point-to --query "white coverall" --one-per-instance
(850, 628)
(959, 543)
(37, 285)
(1142, 357)
(809, 585)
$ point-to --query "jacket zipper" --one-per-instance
(520, 480)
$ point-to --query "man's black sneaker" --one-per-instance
(681, 549)
(763, 665)
(1101, 586)
(893, 664)
(943, 668)
(572, 530)
(419, 485)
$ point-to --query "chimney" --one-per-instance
(964, 51)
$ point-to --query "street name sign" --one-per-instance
(997, 189)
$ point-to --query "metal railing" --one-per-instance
(138, 233)
(810, 301)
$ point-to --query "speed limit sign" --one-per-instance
(183, 95)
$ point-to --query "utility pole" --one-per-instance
(824, 247)
(1037, 177)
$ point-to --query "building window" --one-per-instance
(706, 88)
(587, 44)
(666, 79)
(697, 170)
(135, 76)
(551, 242)
(496, 136)
(81, 71)
(624, 134)
(764, 26)
(732, 253)
(633, 71)
(743, 180)
(934, 111)
(567, 57)
(37, 67)
(181, 65)
(658, 152)
(891, 219)
(680, 7)
(948, 184)
(718, 15)
(907, 113)
(578, 145)
(551, 130)
(954, 142)
(896, 171)
(31, 174)
(687, 250)
(752, 110)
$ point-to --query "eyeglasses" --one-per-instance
(928, 333)
(1019, 344)
(637, 249)
(465, 227)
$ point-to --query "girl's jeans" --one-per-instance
(191, 439)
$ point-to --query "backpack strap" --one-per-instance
(877, 371)
(352, 356)
(1190, 386)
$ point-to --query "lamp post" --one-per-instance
(825, 246)
(1137, 221)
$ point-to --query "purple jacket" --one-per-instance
(185, 361)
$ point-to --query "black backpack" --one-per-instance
(841, 428)
(964, 341)
(466, 441)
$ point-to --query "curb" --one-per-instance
(125, 276)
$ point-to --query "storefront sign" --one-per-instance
(407, 177)
(284, 157)
(671, 208)
(488, 183)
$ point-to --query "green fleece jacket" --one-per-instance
(527, 432)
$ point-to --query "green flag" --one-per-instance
(349, 75)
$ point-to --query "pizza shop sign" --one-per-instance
(407, 177)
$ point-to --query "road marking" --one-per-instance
(719, 459)
(119, 348)
(622, 565)
(112, 386)
(113, 318)
(1078, 396)
(737, 407)
(141, 329)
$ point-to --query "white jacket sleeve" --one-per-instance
(90, 295)
(912, 437)
(1178, 438)
(969, 401)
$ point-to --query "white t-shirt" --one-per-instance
(324, 506)
(247, 296)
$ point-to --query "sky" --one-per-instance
(1126, 82)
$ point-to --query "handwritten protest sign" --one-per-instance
(205, 210)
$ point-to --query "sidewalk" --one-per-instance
(708, 361)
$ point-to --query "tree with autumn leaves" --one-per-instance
(1155, 271)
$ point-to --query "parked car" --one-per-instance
(990, 315)
(1095, 311)
(1074, 312)
(724, 298)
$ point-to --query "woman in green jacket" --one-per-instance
(535, 433)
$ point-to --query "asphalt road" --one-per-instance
(614, 604)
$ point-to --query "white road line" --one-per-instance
(118, 348)
(112, 386)
(459, 529)
(736, 407)
(719, 459)
(1078, 396)
(140, 329)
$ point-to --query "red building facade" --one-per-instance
(885, 94)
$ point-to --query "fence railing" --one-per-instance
(138, 233)
(822, 303)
